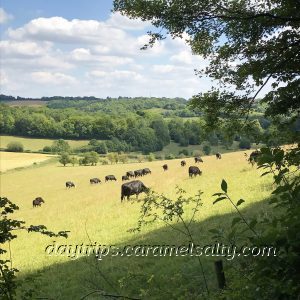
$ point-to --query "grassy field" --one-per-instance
(12, 160)
(96, 213)
(33, 144)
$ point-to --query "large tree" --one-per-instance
(250, 44)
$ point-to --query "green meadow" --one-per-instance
(94, 213)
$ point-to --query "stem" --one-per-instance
(241, 215)
(198, 257)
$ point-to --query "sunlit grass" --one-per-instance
(98, 211)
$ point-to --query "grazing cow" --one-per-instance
(165, 167)
(198, 159)
(133, 188)
(146, 171)
(253, 157)
(130, 174)
(95, 181)
(138, 173)
(194, 171)
(218, 155)
(183, 163)
(110, 178)
(125, 177)
(70, 184)
(37, 201)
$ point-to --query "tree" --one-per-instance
(248, 46)
(64, 158)
(123, 157)
(245, 143)
(73, 160)
(60, 146)
(113, 157)
(15, 147)
(206, 149)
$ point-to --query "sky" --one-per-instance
(81, 48)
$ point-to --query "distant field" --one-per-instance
(12, 160)
(96, 211)
(25, 103)
(33, 144)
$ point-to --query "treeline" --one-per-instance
(134, 131)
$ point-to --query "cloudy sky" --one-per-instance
(80, 48)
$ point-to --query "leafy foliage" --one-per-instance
(269, 277)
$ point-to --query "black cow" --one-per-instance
(37, 201)
(130, 174)
(218, 155)
(110, 177)
(198, 159)
(95, 181)
(146, 171)
(194, 171)
(138, 173)
(165, 167)
(253, 157)
(125, 177)
(70, 184)
(183, 163)
(132, 188)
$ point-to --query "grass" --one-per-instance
(36, 144)
(13, 160)
(96, 211)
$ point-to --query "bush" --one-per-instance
(245, 143)
(185, 152)
(15, 147)
(151, 157)
(160, 156)
(197, 153)
(206, 149)
(47, 149)
(170, 156)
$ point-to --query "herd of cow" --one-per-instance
(134, 187)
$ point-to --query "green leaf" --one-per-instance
(265, 173)
(224, 186)
(219, 199)
(240, 202)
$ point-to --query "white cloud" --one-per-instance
(57, 54)
(52, 78)
(4, 16)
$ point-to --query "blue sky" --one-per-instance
(81, 48)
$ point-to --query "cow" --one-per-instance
(218, 155)
(253, 157)
(138, 173)
(183, 163)
(125, 177)
(37, 201)
(134, 187)
(165, 167)
(194, 171)
(130, 174)
(70, 184)
(95, 181)
(110, 178)
(198, 159)
(146, 171)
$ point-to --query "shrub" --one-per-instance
(206, 149)
(15, 147)
(47, 149)
(245, 143)
(170, 156)
(184, 152)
